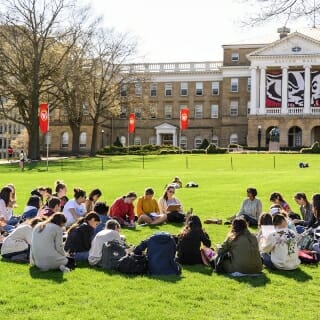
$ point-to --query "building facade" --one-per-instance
(237, 101)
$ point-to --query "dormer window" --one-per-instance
(234, 56)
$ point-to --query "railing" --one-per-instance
(173, 67)
(291, 111)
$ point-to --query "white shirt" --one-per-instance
(80, 210)
(5, 211)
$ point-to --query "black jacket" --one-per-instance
(79, 239)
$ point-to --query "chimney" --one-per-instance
(284, 31)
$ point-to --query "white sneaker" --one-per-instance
(64, 269)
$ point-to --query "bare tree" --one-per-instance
(35, 36)
(109, 53)
(286, 10)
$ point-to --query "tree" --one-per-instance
(283, 9)
(35, 36)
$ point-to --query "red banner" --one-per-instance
(184, 119)
(44, 117)
(132, 123)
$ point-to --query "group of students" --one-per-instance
(39, 235)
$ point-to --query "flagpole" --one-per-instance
(47, 138)
(180, 135)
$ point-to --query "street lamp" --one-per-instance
(259, 138)
(102, 142)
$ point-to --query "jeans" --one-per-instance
(266, 258)
(251, 221)
(81, 256)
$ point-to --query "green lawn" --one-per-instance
(198, 294)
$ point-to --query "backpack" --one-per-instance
(308, 257)
(112, 252)
(175, 217)
(306, 241)
(133, 264)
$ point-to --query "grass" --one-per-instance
(89, 293)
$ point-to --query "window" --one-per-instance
(184, 89)
(83, 140)
(124, 90)
(64, 140)
(248, 107)
(123, 140)
(234, 84)
(137, 112)
(234, 138)
(234, 56)
(153, 112)
(47, 139)
(1, 129)
(85, 109)
(214, 111)
(199, 88)
(234, 108)
(138, 89)
(153, 90)
(197, 142)
(215, 140)
(215, 88)
(183, 142)
(168, 89)
(168, 112)
(249, 85)
(153, 140)
(123, 112)
(137, 141)
(198, 111)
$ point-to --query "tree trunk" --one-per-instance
(94, 146)
(75, 139)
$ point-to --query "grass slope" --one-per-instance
(89, 293)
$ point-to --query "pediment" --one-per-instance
(295, 44)
(165, 126)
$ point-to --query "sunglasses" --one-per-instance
(170, 191)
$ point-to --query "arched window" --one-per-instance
(137, 141)
(64, 141)
(83, 140)
(183, 142)
(152, 140)
(197, 142)
(234, 138)
(215, 140)
(123, 140)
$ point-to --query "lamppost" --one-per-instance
(102, 142)
(259, 137)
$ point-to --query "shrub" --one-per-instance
(198, 151)
(212, 148)
(118, 143)
(204, 144)
(315, 148)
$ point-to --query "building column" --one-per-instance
(284, 91)
(262, 91)
(158, 139)
(307, 94)
(253, 92)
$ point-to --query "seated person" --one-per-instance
(279, 249)
(161, 252)
(189, 241)
(306, 210)
(32, 208)
(122, 210)
(80, 235)
(176, 182)
(102, 210)
(54, 205)
(148, 210)
(111, 232)
(75, 208)
(240, 250)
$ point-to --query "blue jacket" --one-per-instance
(161, 252)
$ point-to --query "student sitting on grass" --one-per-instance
(54, 205)
(189, 241)
(80, 235)
(111, 232)
(94, 196)
(240, 250)
(122, 210)
(279, 249)
(16, 246)
(102, 210)
(32, 208)
(148, 210)
(47, 245)
(306, 210)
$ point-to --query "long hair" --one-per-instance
(265, 219)
(5, 195)
(165, 195)
(193, 223)
(239, 226)
(301, 195)
(94, 192)
(91, 215)
(59, 185)
(276, 195)
(58, 218)
(78, 193)
(316, 205)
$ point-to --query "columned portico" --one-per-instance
(307, 92)
(166, 129)
(262, 109)
(254, 90)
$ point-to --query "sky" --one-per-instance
(184, 30)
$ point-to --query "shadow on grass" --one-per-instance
(200, 268)
(53, 275)
(298, 274)
(169, 278)
(254, 281)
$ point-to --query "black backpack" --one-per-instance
(176, 217)
(133, 264)
(112, 252)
